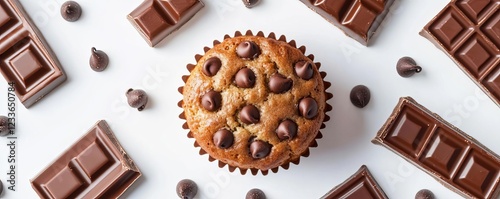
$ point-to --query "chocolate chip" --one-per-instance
(360, 96)
(279, 83)
(287, 129)
(245, 78)
(308, 107)
(407, 67)
(4, 125)
(259, 149)
(1, 187)
(248, 50)
(211, 66)
(137, 98)
(255, 194)
(223, 138)
(71, 11)
(186, 189)
(250, 114)
(250, 3)
(304, 70)
(211, 101)
(98, 60)
(424, 194)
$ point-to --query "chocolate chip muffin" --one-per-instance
(255, 102)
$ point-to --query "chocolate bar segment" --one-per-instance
(96, 166)
(446, 153)
(359, 19)
(25, 58)
(156, 19)
(468, 31)
(359, 185)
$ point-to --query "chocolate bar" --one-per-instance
(25, 58)
(359, 19)
(452, 157)
(469, 33)
(156, 19)
(96, 166)
(359, 185)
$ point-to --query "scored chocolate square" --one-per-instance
(468, 31)
(359, 19)
(95, 166)
(25, 58)
(443, 151)
(156, 19)
(359, 185)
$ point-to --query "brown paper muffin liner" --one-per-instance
(312, 144)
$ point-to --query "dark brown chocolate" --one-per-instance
(248, 50)
(4, 125)
(186, 189)
(156, 19)
(287, 130)
(279, 83)
(407, 67)
(95, 166)
(424, 194)
(25, 58)
(71, 11)
(211, 66)
(308, 108)
(360, 96)
(443, 151)
(359, 185)
(250, 3)
(245, 78)
(358, 19)
(223, 138)
(259, 149)
(137, 98)
(469, 33)
(255, 194)
(211, 101)
(98, 60)
(304, 70)
(250, 114)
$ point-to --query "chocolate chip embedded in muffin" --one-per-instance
(211, 66)
(279, 83)
(223, 138)
(211, 101)
(249, 114)
(248, 50)
(245, 78)
(304, 70)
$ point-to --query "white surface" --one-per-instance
(159, 146)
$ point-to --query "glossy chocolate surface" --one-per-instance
(25, 58)
(469, 33)
(443, 151)
(156, 19)
(95, 166)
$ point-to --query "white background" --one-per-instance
(159, 146)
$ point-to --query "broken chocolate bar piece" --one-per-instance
(360, 185)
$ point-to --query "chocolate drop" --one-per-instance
(407, 67)
(71, 11)
(98, 60)
(186, 189)
(248, 50)
(279, 83)
(308, 108)
(304, 70)
(137, 98)
(259, 149)
(255, 194)
(4, 125)
(223, 138)
(287, 129)
(211, 101)
(250, 3)
(211, 66)
(424, 194)
(360, 96)
(245, 78)
(249, 114)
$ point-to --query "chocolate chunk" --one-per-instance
(287, 129)
(245, 78)
(255, 194)
(248, 50)
(71, 11)
(4, 125)
(223, 138)
(407, 67)
(360, 96)
(360, 185)
(186, 189)
(211, 101)
(308, 108)
(304, 70)
(250, 3)
(137, 98)
(424, 194)
(250, 114)
(279, 83)
(211, 66)
(98, 60)
(259, 149)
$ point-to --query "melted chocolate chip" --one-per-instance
(211, 101)
(279, 83)
(407, 67)
(255, 194)
(250, 3)
(71, 11)
(308, 107)
(223, 138)
(360, 96)
(259, 149)
(211, 66)
(250, 114)
(248, 50)
(186, 189)
(4, 125)
(245, 78)
(304, 70)
(98, 60)
(424, 194)
(137, 98)
(287, 129)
